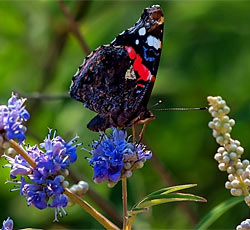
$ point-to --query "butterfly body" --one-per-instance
(116, 80)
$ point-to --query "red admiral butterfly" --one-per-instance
(116, 80)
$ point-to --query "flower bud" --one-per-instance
(233, 156)
(217, 156)
(226, 110)
(239, 150)
(127, 173)
(235, 183)
(247, 182)
(220, 140)
(236, 191)
(232, 122)
(230, 169)
(228, 185)
(239, 172)
(222, 166)
(245, 163)
(230, 177)
(65, 184)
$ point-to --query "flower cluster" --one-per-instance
(45, 185)
(244, 225)
(229, 153)
(114, 157)
(7, 224)
(11, 119)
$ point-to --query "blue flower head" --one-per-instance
(8, 224)
(114, 157)
(45, 185)
(12, 117)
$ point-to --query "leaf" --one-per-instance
(162, 192)
(218, 211)
(172, 189)
(165, 198)
(135, 211)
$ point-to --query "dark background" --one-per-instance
(206, 51)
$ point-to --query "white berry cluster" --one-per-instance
(79, 189)
(229, 153)
(244, 225)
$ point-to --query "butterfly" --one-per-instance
(116, 80)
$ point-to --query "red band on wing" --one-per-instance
(142, 70)
(140, 85)
(131, 52)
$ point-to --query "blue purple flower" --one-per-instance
(12, 117)
(45, 184)
(114, 157)
(7, 224)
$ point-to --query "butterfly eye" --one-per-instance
(152, 21)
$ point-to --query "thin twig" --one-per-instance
(74, 27)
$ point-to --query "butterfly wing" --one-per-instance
(143, 43)
(116, 80)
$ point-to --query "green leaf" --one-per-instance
(159, 194)
(218, 211)
(135, 211)
(165, 198)
(172, 189)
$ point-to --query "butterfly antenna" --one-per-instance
(181, 109)
(156, 104)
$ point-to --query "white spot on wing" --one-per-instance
(154, 42)
(142, 31)
(136, 41)
(150, 40)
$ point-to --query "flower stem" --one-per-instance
(124, 201)
(130, 222)
(22, 152)
(98, 216)
(243, 186)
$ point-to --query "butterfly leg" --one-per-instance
(142, 132)
(98, 123)
(134, 132)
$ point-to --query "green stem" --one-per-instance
(124, 201)
(87, 207)
(130, 222)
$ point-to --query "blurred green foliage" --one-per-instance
(206, 51)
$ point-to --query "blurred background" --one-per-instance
(206, 51)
